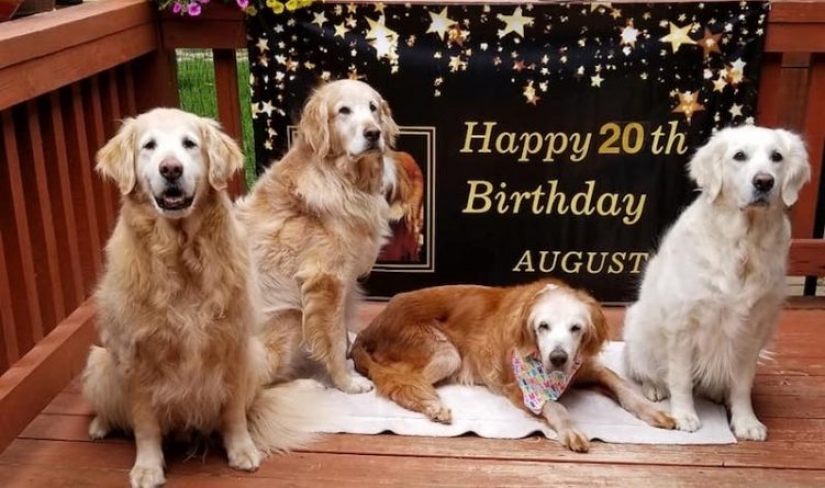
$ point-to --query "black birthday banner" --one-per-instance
(552, 138)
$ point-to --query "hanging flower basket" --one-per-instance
(193, 8)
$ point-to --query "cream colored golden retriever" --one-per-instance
(177, 306)
(711, 297)
(490, 336)
(316, 220)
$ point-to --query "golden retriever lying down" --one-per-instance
(524, 342)
(316, 221)
(177, 313)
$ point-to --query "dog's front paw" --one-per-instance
(654, 392)
(245, 457)
(354, 383)
(574, 440)
(146, 476)
(660, 419)
(439, 413)
(98, 428)
(749, 429)
(687, 421)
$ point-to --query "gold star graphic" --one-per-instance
(351, 22)
(735, 110)
(352, 8)
(597, 4)
(379, 7)
(291, 65)
(596, 80)
(688, 104)
(709, 43)
(530, 93)
(719, 84)
(514, 23)
(319, 18)
(353, 74)
(456, 63)
(678, 36)
(267, 108)
(440, 23)
(456, 36)
(629, 35)
(518, 65)
(263, 44)
(616, 14)
(340, 30)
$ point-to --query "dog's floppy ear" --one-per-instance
(314, 124)
(797, 169)
(116, 159)
(223, 153)
(526, 336)
(388, 126)
(598, 331)
(705, 168)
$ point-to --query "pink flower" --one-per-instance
(242, 3)
(194, 9)
(177, 8)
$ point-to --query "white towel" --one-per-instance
(477, 410)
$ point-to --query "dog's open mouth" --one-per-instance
(760, 201)
(173, 199)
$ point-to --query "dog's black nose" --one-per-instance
(558, 358)
(372, 135)
(171, 169)
(763, 182)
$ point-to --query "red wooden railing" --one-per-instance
(67, 77)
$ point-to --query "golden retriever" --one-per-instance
(405, 194)
(177, 310)
(483, 335)
(316, 220)
(710, 298)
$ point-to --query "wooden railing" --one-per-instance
(68, 77)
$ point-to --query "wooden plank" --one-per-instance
(97, 138)
(113, 117)
(229, 105)
(797, 37)
(30, 329)
(54, 285)
(807, 256)
(804, 211)
(83, 182)
(797, 12)
(27, 458)
(767, 105)
(73, 267)
(157, 76)
(8, 334)
(129, 88)
(204, 34)
(30, 384)
(42, 35)
(30, 79)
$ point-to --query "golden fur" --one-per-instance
(177, 310)
(467, 334)
(316, 220)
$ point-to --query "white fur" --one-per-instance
(711, 296)
(559, 320)
(357, 111)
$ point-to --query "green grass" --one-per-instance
(196, 85)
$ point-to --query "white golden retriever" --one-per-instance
(711, 296)
(177, 308)
(316, 220)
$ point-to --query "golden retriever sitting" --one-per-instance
(525, 342)
(316, 221)
(177, 310)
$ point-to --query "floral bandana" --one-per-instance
(537, 386)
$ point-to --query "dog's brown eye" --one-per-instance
(740, 156)
(575, 328)
(189, 143)
(373, 107)
(150, 144)
(344, 111)
(776, 157)
(543, 326)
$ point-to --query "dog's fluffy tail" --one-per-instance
(283, 417)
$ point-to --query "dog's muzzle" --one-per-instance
(173, 199)
(762, 183)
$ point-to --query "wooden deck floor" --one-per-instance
(54, 450)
